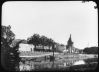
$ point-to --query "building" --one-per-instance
(70, 48)
(23, 46)
(60, 48)
(26, 47)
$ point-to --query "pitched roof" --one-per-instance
(24, 41)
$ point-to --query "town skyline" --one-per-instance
(54, 20)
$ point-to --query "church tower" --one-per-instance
(69, 45)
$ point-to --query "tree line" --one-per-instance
(91, 50)
(42, 41)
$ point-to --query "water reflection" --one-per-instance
(23, 66)
(79, 62)
(29, 65)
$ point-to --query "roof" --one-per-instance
(24, 41)
(14, 42)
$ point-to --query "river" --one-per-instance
(32, 64)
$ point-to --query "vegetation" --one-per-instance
(91, 50)
(9, 55)
(37, 40)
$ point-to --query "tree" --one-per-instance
(7, 36)
(43, 41)
(35, 40)
(50, 42)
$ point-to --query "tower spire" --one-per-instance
(70, 40)
(70, 37)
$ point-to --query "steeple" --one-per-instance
(69, 47)
(70, 43)
(70, 40)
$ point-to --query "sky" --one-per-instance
(56, 20)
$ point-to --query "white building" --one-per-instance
(26, 47)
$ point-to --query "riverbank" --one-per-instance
(40, 56)
(75, 56)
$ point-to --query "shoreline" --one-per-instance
(57, 55)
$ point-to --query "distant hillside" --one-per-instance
(91, 50)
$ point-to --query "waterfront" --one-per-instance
(67, 64)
